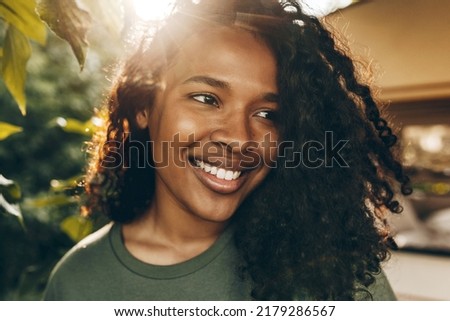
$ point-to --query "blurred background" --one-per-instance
(43, 154)
(44, 160)
(408, 43)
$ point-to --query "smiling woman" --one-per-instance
(204, 167)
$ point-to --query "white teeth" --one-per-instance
(229, 175)
(220, 173)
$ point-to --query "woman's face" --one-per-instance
(212, 123)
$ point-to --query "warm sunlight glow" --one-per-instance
(320, 8)
(152, 10)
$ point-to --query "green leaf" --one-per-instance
(72, 125)
(22, 15)
(68, 184)
(16, 52)
(77, 227)
(10, 190)
(51, 200)
(10, 195)
(7, 130)
(12, 209)
(69, 22)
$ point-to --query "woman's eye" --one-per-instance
(266, 114)
(206, 99)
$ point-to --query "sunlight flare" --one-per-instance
(153, 10)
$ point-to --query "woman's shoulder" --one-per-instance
(379, 290)
(90, 245)
(82, 260)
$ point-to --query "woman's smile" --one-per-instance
(218, 179)
(220, 173)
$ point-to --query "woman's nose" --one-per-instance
(234, 132)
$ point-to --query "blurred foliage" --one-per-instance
(42, 155)
(7, 130)
(22, 24)
(71, 20)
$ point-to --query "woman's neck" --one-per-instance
(168, 234)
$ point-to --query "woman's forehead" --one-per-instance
(230, 54)
(222, 45)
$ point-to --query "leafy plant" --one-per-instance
(22, 25)
(41, 154)
(25, 21)
(46, 160)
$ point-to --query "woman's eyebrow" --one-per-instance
(271, 97)
(213, 82)
(208, 81)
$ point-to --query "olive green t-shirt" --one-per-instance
(100, 268)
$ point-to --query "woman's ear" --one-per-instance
(141, 119)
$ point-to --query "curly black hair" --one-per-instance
(319, 230)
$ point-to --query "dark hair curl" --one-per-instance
(319, 231)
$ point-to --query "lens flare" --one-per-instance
(153, 10)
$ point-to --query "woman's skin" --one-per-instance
(218, 94)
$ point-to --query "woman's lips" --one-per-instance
(218, 179)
